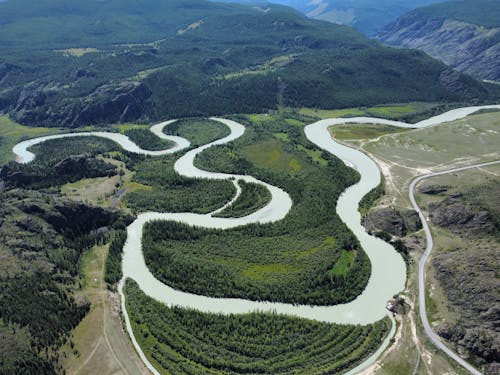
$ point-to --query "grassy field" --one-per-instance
(106, 191)
(186, 341)
(272, 65)
(344, 264)
(12, 133)
(270, 154)
(395, 111)
(91, 190)
(465, 141)
(363, 131)
(405, 155)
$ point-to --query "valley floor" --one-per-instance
(99, 344)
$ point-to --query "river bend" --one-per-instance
(388, 269)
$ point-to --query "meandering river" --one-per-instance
(388, 269)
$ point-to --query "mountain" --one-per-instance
(463, 34)
(71, 64)
(367, 16)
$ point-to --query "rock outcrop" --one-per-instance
(431, 189)
(467, 270)
(473, 293)
(453, 214)
(393, 222)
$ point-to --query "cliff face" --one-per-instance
(469, 48)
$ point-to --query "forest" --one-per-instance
(42, 238)
(292, 260)
(198, 131)
(146, 140)
(185, 341)
(253, 197)
(113, 267)
(170, 191)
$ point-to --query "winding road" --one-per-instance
(388, 269)
(421, 266)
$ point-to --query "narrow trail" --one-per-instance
(367, 308)
(102, 291)
(421, 266)
(104, 320)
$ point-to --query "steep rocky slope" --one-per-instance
(463, 34)
(468, 273)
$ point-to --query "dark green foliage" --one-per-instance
(74, 219)
(38, 302)
(322, 79)
(288, 260)
(191, 342)
(16, 356)
(60, 161)
(42, 238)
(369, 199)
(113, 273)
(424, 115)
(401, 248)
(174, 193)
(198, 131)
(253, 197)
(145, 139)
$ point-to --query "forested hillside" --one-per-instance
(42, 239)
(73, 64)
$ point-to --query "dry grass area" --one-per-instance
(463, 142)
(190, 27)
(99, 344)
(77, 52)
(411, 353)
(401, 157)
(104, 191)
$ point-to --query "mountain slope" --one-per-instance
(463, 34)
(99, 62)
(367, 16)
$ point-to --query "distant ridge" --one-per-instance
(464, 34)
(367, 16)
